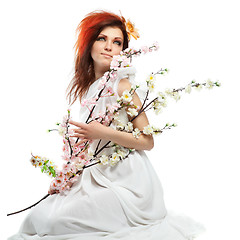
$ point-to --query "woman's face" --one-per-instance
(108, 43)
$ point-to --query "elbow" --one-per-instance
(150, 144)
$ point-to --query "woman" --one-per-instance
(121, 202)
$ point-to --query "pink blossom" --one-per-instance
(110, 90)
(115, 62)
(87, 162)
(101, 115)
(65, 168)
(156, 45)
(65, 149)
(113, 107)
(76, 148)
(63, 187)
(92, 101)
(106, 74)
(113, 76)
(65, 158)
(72, 141)
(107, 119)
(53, 185)
(116, 105)
(128, 51)
(64, 122)
(136, 52)
(70, 132)
(145, 49)
(110, 108)
(74, 179)
(59, 180)
(82, 156)
(84, 102)
(102, 83)
(125, 61)
(73, 169)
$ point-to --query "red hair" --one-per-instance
(88, 30)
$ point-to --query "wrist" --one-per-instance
(108, 134)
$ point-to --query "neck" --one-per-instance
(99, 72)
(98, 75)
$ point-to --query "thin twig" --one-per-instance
(30, 206)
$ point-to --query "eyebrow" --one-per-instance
(106, 36)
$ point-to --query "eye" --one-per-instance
(119, 43)
(100, 39)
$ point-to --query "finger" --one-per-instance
(72, 131)
(77, 124)
(80, 131)
(77, 135)
(81, 142)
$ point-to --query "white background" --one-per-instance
(197, 162)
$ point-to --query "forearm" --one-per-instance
(125, 139)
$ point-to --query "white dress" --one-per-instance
(123, 202)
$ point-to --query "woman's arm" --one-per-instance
(96, 130)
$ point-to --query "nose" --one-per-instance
(108, 46)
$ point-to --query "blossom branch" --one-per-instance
(75, 156)
(9, 214)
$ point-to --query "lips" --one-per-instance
(106, 55)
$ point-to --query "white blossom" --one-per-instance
(169, 91)
(151, 82)
(164, 103)
(176, 96)
(151, 78)
(156, 104)
(80, 165)
(188, 88)
(161, 95)
(61, 130)
(209, 84)
(122, 153)
(217, 83)
(132, 112)
(151, 86)
(198, 87)
(120, 126)
(126, 96)
(129, 127)
(148, 130)
(116, 118)
(156, 130)
(157, 110)
(119, 99)
(104, 159)
(90, 153)
(114, 159)
(136, 133)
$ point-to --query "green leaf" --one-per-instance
(52, 171)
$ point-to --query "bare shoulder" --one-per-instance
(123, 85)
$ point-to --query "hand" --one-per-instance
(91, 131)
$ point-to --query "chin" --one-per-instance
(106, 64)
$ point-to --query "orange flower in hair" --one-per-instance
(130, 28)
